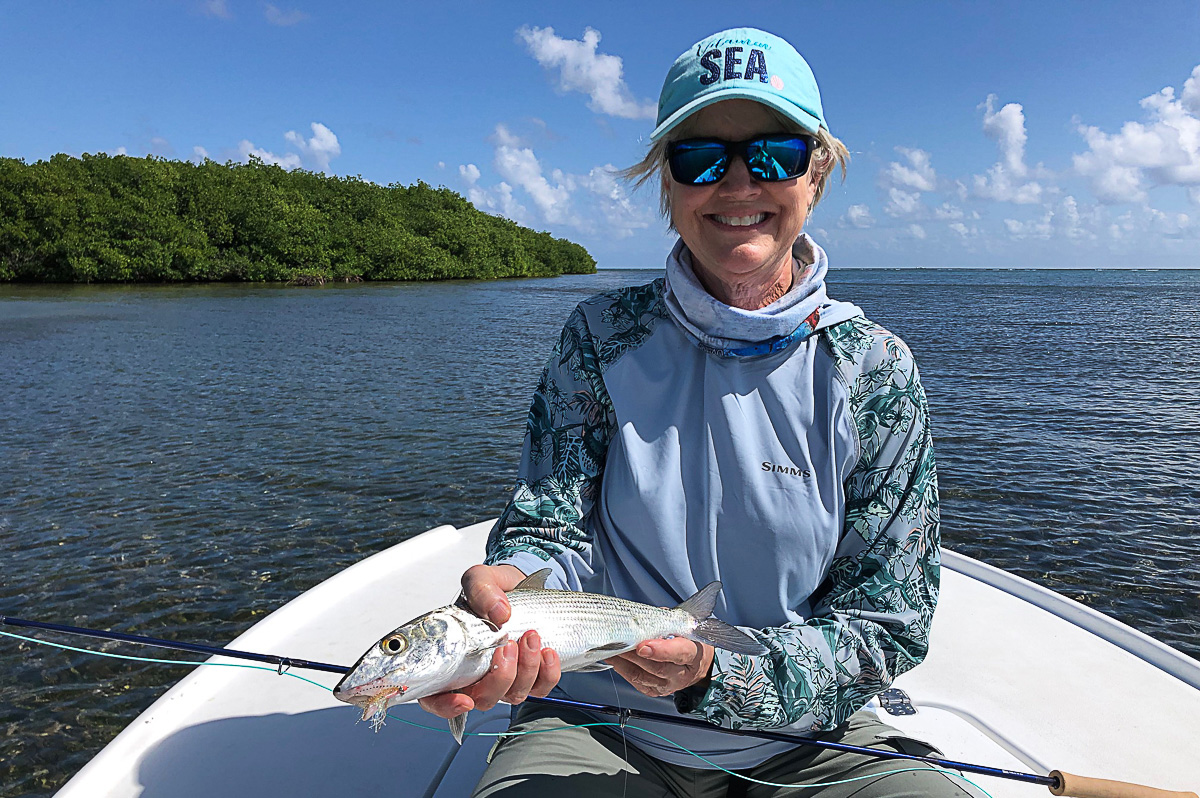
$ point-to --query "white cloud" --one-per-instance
(199, 154)
(1164, 151)
(1007, 127)
(902, 203)
(948, 212)
(857, 216)
(469, 172)
(319, 150)
(608, 195)
(499, 199)
(216, 8)
(521, 167)
(584, 70)
(916, 231)
(277, 16)
(288, 161)
(1005, 181)
(1194, 195)
(964, 231)
(917, 174)
(904, 182)
(594, 203)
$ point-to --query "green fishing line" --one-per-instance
(284, 672)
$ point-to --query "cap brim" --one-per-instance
(794, 112)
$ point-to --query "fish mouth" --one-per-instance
(368, 694)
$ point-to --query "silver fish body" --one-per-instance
(450, 648)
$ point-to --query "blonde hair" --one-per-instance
(830, 153)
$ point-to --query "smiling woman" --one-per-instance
(653, 463)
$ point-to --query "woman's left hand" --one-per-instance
(660, 667)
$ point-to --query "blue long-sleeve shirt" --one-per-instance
(673, 440)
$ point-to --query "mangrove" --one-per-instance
(102, 218)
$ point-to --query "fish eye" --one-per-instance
(393, 644)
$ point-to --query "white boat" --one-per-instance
(1019, 678)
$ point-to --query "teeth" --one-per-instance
(740, 221)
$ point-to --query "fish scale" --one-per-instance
(574, 624)
(451, 647)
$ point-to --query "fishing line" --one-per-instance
(621, 725)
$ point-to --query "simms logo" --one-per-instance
(782, 469)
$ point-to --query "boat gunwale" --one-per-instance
(1121, 635)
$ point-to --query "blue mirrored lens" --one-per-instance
(769, 158)
(777, 159)
(699, 162)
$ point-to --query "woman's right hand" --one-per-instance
(520, 668)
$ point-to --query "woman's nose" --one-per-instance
(737, 181)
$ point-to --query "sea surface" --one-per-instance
(179, 461)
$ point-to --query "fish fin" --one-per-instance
(594, 667)
(722, 635)
(458, 726)
(535, 581)
(700, 606)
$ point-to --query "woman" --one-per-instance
(728, 421)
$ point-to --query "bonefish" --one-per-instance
(451, 647)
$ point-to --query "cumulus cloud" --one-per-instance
(595, 202)
(904, 181)
(284, 19)
(288, 160)
(917, 174)
(1064, 220)
(318, 150)
(916, 231)
(1005, 181)
(315, 152)
(518, 165)
(469, 172)
(857, 216)
(1165, 150)
(902, 203)
(581, 68)
(199, 154)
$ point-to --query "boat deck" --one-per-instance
(1018, 678)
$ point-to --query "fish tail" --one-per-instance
(716, 632)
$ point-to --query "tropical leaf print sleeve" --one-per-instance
(871, 616)
(566, 438)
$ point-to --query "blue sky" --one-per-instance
(982, 134)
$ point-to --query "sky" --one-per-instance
(993, 135)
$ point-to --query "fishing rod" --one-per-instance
(1057, 781)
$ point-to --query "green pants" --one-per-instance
(596, 761)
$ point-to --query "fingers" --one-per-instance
(484, 587)
(675, 651)
(446, 705)
(519, 669)
(643, 681)
(528, 666)
(488, 691)
(548, 674)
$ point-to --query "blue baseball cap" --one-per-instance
(740, 63)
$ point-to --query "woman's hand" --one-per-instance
(660, 667)
(519, 668)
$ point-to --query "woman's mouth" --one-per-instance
(739, 221)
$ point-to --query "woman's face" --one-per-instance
(739, 229)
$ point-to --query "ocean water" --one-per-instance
(179, 461)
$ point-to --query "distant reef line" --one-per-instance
(118, 219)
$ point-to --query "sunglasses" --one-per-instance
(700, 162)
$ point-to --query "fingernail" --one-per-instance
(496, 611)
(645, 651)
(533, 642)
(510, 651)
